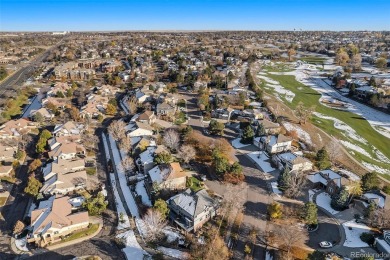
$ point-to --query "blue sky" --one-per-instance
(82, 15)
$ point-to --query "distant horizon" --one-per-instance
(190, 15)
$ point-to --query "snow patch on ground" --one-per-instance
(375, 168)
(261, 159)
(347, 130)
(323, 200)
(352, 236)
(302, 134)
(132, 250)
(237, 144)
(21, 244)
(351, 175)
(275, 188)
(172, 235)
(173, 252)
(355, 148)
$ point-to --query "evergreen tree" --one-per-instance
(370, 181)
(247, 135)
(33, 186)
(260, 130)
(284, 179)
(95, 205)
(161, 206)
(310, 213)
(322, 159)
(162, 158)
(340, 200)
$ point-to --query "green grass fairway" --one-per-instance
(313, 60)
(310, 97)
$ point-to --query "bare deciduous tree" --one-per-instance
(380, 218)
(289, 236)
(303, 113)
(127, 164)
(117, 130)
(19, 226)
(233, 200)
(154, 223)
(334, 150)
(125, 143)
(132, 105)
(171, 139)
(187, 153)
(295, 184)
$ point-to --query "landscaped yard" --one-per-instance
(310, 97)
(194, 184)
(87, 232)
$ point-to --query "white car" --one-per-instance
(325, 244)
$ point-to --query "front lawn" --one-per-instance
(313, 59)
(87, 232)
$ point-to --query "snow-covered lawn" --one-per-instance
(355, 148)
(303, 135)
(275, 188)
(237, 144)
(340, 125)
(132, 250)
(275, 85)
(323, 200)
(173, 252)
(261, 159)
(352, 237)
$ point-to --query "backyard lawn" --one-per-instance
(194, 184)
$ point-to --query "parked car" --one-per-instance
(325, 244)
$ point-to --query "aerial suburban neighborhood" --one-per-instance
(195, 144)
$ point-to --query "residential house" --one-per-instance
(270, 128)
(62, 166)
(378, 197)
(145, 162)
(273, 143)
(16, 128)
(168, 177)
(68, 129)
(328, 179)
(46, 114)
(147, 117)
(165, 109)
(138, 129)
(54, 219)
(190, 210)
(383, 243)
(65, 149)
(293, 161)
(7, 153)
(64, 182)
